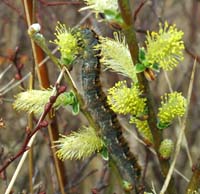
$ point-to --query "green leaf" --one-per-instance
(69, 98)
(75, 104)
(104, 153)
(75, 108)
(127, 186)
(66, 61)
(73, 101)
(111, 15)
(162, 126)
(139, 68)
(142, 54)
(155, 67)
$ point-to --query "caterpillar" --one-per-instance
(97, 105)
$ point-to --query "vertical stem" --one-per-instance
(30, 154)
(129, 32)
(42, 73)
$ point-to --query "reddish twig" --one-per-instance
(19, 66)
(44, 2)
(42, 72)
(15, 9)
(136, 12)
(194, 56)
(41, 124)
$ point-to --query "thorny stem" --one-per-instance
(129, 32)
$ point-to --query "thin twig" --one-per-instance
(5, 71)
(58, 3)
(29, 140)
(30, 158)
(43, 77)
(7, 85)
(15, 84)
(185, 142)
(67, 76)
(130, 34)
(152, 150)
(138, 9)
(181, 134)
(194, 56)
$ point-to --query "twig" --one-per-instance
(17, 65)
(42, 43)
(185, 142)
(194, 184)
(15, 84)
(81, 170)
(7, 85)
(81, 179)
(30, 158)
(129, 32)
(15, 9)
(42, 73)
(194, 56)
(138, 9)
(5, 71)
(181, 134)
(152, 151)
(31, 136)
(58, 3)
(101, 184)
(146, 165)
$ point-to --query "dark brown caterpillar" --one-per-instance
(106, 119)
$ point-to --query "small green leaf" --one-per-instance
(73, 101)
(75, 104)
(111, 15)
(104, 153)
(65, 61)
(139, 68)
(75, 108)
(155, 67)
(163, 125)
(142, 54)
(69, 98)
(127, 186)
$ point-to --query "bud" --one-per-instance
(166, 148)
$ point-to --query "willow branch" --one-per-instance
(129, 32)
(181, 134)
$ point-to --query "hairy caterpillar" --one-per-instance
(98, 107)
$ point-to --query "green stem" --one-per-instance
(129, 32)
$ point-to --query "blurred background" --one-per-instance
(91, 175)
